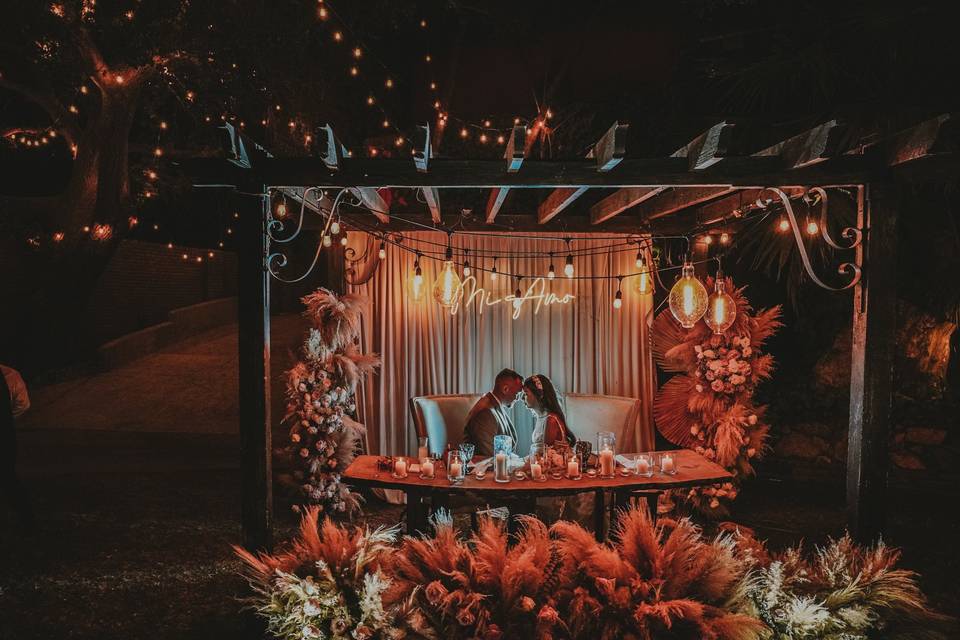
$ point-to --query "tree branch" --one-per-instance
(49, 103)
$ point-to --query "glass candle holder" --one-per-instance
(423, 448)
(456, 470)
(606, 453)
(502, 448)
(668, 465)
(539, 467)
(400, 467)
(643, 465)
(573, 467)
(428, 468)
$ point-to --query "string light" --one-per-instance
(448, 283)
(327, 240)
(618, 298)
(551, 272)
(382, 254)
(517, 297)
(464, 133)
(416, 286)
(688, 298)
(644, 280)
(784, 225)
(812, 227)
(337, 36)
(708, 239)
(724, 238)
(281, 211)
(721, 308)
(357, 52)
(389, 83)
(568, 267)
(343, 240)
(466, 263)
(493, 272)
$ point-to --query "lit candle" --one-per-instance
(455, 469)
(666, 463)
(573, 468)
(501, 465)
(400, 468)
(536, 471)
(643, 466)
(606, 462)
(426, 468)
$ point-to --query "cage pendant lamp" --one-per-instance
(688, 298)
(447, 286)
(721, 307)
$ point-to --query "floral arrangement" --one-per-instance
(658, 581)
(708, 406)
(321, 405)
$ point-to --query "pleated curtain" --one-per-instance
(585, 346)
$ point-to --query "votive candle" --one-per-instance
(666, 464)
(400, 468)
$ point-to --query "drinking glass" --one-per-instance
(456, 470)
(467, 449)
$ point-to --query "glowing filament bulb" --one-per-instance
(618, 300)
(812, 227)
(688, 298)
(551, 272)
(568, 267)
(335, 227)
(383, 250)
(493, 272)
(327, 240)
(466, 269)
(721, 307)
(644, 282)
(343, 240)
(783, 226)
(281, 211)
(447, 285)
(416, 289)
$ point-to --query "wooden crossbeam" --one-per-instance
(557, 201)
(620, 201)
(432, 196)
(422, 152)
(515, 148)
(722, 208)
(921, 141)
(495, 201)
(709, 148)
(810, 147)
(373, 201)
(678, 198)
(608, 153)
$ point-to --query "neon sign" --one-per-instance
(536, 295)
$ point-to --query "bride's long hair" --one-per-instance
(546, 394)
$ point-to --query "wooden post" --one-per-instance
(871, 372)
(254, 359)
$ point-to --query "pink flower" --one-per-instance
(709, 354)
(295, 437)
(752, 418)
(527, 603)
(747, 351)
(716, 385)
(492, 633)
(363, 632)
(548, 616)
(465, 617)
(304, 453)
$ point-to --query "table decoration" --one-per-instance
(502, 448)
(456, 470)
(400, 468)
(427, 469)
(606, 448)
(573, 467)
(667, 465)
(538, 468)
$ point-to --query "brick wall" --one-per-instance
(144, 281)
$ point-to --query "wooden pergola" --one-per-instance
(607, 191)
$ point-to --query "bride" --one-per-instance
(551, 425)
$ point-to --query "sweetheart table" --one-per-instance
(693, 470)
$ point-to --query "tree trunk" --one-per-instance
(99, 184)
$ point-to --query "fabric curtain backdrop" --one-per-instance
(586, 346)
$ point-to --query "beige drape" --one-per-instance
(586, 346)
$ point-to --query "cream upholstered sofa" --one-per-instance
(441, 419)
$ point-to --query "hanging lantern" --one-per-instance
(447, 286)
(688, 298)
(721, 308)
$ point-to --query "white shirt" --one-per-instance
(19, 398)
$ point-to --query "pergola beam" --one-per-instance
(921, 141)
(494, 202)
(810, 147)
(422, 152)
(709, 148)
(620, 201)
(516, 148)
(608, 152)
(679, 198)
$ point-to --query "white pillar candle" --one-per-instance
(606, 462)
(666, 463)
(536, 471)
(455, 469)
(400, 467)
(573, 468)
(426, 468)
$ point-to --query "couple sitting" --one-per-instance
(490, 415)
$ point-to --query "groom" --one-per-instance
(489, 416)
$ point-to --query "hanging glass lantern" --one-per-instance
(721, 308)
(688, 298)
(447, 286)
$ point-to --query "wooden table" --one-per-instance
(693, 470)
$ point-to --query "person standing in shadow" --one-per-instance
(14, 401)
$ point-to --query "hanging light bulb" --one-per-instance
(416, 285)
(517, 296)
(551, 272)
(281, 208)
(812, 227)
(724, 238)
(447, 286)
(327, 240)
(568, 267)
(383, 251)
(618, 298)
(783, 226)
(493, 272)
(335, 227)
(466, 264)
(640, 259)
(721, 308)
(688, 298)
(343, 240)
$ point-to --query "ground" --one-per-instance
(135, 480)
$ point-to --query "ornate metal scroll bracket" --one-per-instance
(277, 260)
(817, 197)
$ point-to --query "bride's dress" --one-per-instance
(578, 507)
